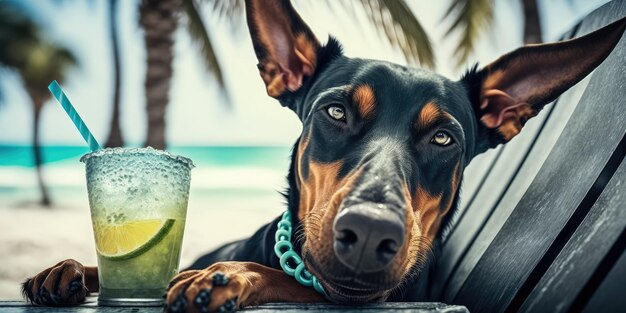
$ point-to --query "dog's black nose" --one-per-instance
(367, 236)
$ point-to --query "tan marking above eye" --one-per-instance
(365, 100)
(428, 115)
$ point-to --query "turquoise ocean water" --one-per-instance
(221, 156)
(220, 171)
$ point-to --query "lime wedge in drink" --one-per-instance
(124, 241)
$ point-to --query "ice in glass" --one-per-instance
(138, 199)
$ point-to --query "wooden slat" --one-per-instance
(584, 147)
(514, 192)
(609, 297)
(420, 307)
(91, 307)
(584, 252)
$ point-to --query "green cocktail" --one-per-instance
(138, 199)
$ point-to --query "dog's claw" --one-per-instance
(55, 298)
(75, 286)
(36, 299)
(180, 304)
(43, 295)
(203, 299)
(171, 284)
(229, 305)
(219, 279)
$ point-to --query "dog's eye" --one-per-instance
(442, 139)
(336, 112)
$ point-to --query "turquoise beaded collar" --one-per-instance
(288, 257)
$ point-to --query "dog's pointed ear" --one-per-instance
(514, 88)
(284, 45)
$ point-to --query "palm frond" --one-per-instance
(394, 19)
(470, 18)
(200, 35)
(46, 62)
(18, 34)
(230, 10)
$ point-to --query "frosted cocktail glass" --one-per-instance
(138, 199)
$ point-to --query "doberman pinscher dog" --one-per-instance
(375, 174)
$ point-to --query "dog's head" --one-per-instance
(378, 166)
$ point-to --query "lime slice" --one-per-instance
(118, 242)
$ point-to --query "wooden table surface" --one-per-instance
(91, 306)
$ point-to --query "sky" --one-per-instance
(197, 114)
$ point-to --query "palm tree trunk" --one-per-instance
(159, 19)
(532, 25)
(115, 134)
(45, 199)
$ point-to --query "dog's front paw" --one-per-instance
(62, 284)
(222, 287)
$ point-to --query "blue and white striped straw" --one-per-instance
(58, 93)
